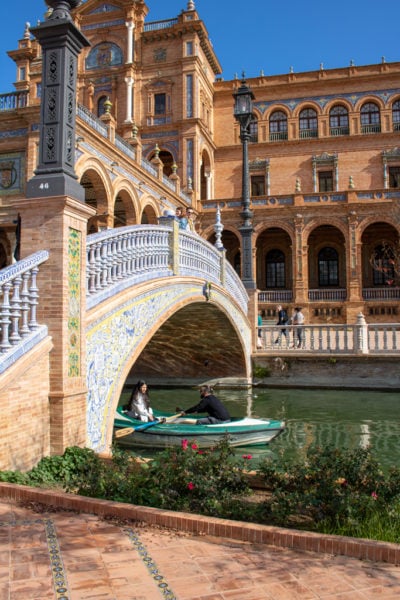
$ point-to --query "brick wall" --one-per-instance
(24, 410)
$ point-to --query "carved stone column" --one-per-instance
(300, 263)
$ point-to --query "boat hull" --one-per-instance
(241, 432)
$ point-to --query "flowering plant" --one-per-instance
(204, 481)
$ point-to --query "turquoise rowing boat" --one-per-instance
(242, 432)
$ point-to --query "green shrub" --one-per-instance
(204, 481)
(332, 488)
(260, 372)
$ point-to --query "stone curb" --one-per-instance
(221, 528)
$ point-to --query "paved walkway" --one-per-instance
(66, 555)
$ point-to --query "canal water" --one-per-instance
(342, 419)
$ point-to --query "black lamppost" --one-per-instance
(61, 43)
(242, 112)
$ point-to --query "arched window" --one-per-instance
(328, 267)
(383, 265)
(339, 120)
(253, 129)
(396, 115)
(278, 126)
(370, 118)
(100, 106)
(308, 123)
(275, 269)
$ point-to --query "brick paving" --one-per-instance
(52, 553)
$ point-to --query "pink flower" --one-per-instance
(184, 444)
(190, 485)
(200, 451)
(247, 456)
(374, 496)
(194, 446)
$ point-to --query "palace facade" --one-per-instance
(156, 130)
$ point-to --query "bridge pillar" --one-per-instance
(59, 226)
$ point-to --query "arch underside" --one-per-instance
(165, 332)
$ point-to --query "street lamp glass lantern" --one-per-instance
(244, 97)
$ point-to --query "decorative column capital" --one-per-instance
(61, 8)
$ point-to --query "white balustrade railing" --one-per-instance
(19, 298)
(325, 295)
(284, 296)
(358, 338)
(381, 293)
(91, 119)
(120, 258)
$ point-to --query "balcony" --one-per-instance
(381, 293)
(327, 295)
(308, 133)
(336, 131)
(376, 128)
(276, 296)
(13, 100)
(277, 136)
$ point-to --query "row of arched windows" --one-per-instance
(328, 268)
(370, 119)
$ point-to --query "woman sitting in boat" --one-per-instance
(139, 404)
(209, 404)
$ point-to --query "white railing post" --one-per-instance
(361, 335)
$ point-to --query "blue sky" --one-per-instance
(272, 37)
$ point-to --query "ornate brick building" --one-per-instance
(155, 130)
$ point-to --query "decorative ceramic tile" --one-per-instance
(74, 289)
(12, 173)
(113, 342)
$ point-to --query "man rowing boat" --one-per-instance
(209, 404)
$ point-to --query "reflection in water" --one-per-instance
(343, 419)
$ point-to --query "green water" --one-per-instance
(343, 419)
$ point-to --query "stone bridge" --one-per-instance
(144, 301)
(160, 303)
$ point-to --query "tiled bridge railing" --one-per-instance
(120, 258)
(19, 298)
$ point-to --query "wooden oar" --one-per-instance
(129, 430)
(122, 432)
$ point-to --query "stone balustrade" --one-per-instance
(120, 258)
(358, 338)
(19, 299)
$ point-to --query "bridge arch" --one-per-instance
(143, 324)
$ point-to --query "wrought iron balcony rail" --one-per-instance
(276, 136)
(308, 133)
(376, 128)
(334, 131)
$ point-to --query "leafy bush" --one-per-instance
(204, 481)
(67, 470)
(331, 489)
(260, 372)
